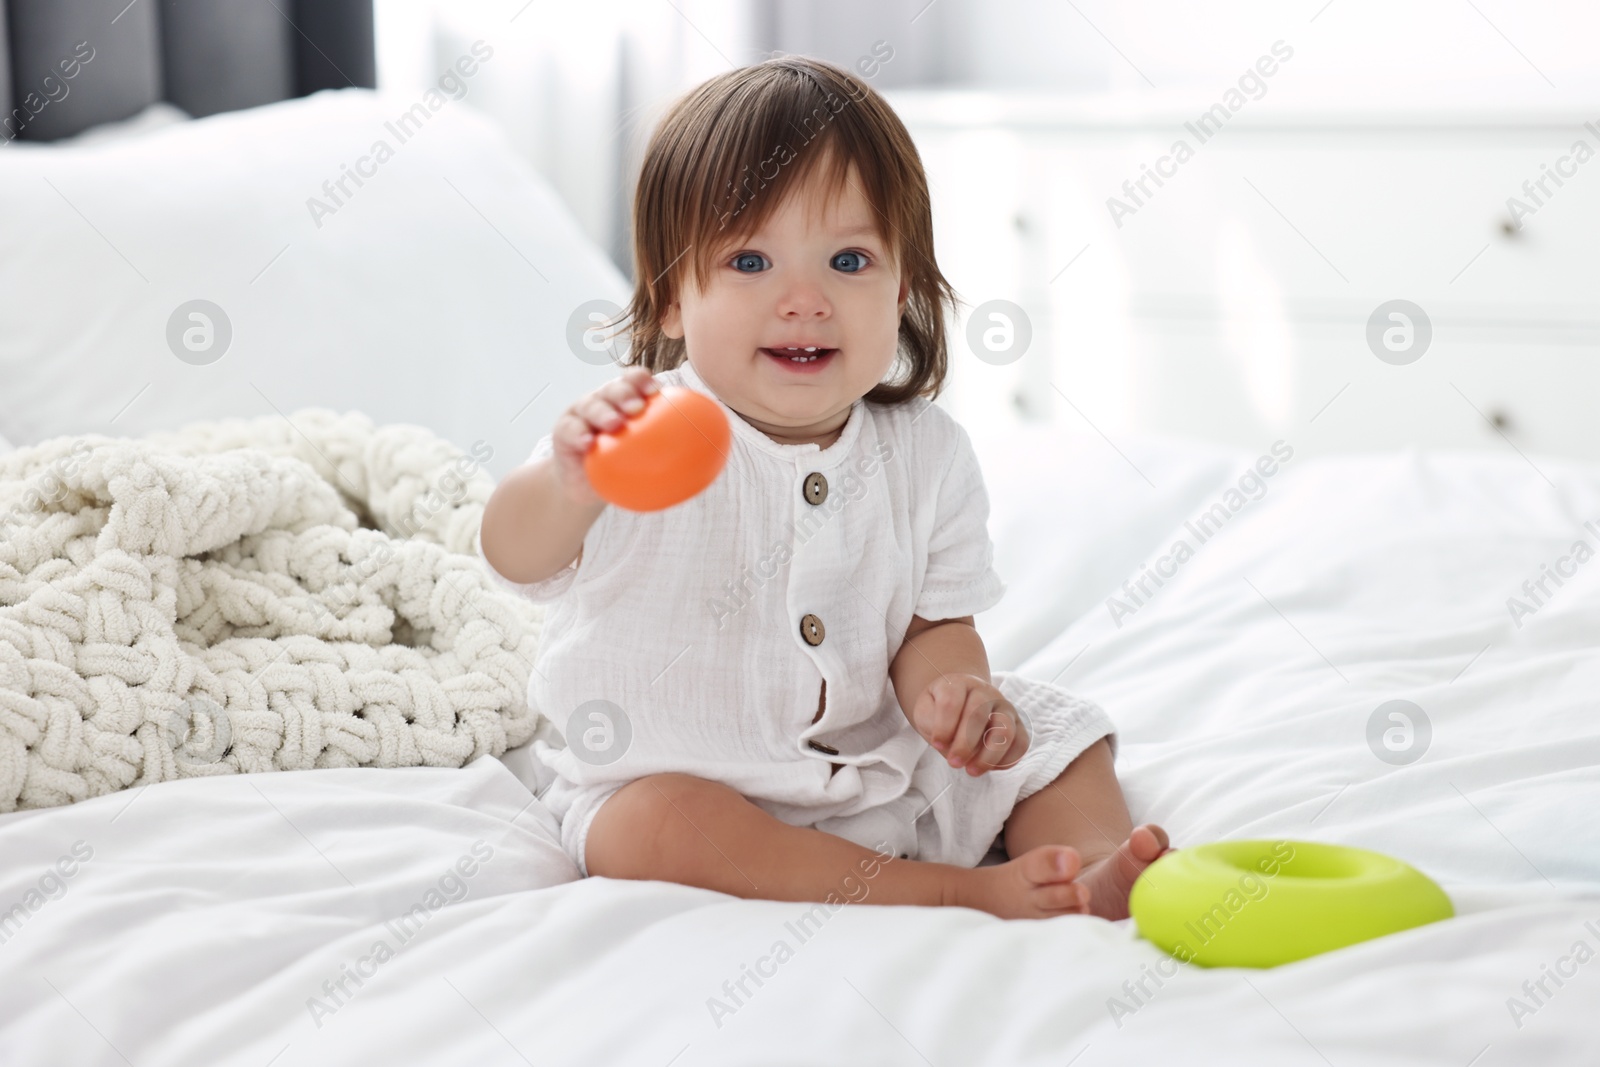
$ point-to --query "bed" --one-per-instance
(221, 920)
(428, 915)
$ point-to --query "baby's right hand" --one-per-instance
(605, 409)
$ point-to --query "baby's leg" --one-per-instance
(1083, 807)
(680, 828)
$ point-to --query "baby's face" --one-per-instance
(815, 275)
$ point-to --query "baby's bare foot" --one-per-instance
(1038, 884)
(1110, 879)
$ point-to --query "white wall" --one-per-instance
(578, 87)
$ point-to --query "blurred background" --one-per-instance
(1349, 224)
(1374, 164)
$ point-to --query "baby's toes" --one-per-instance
(1061, 896)
(1050, 863)
(1147, 842)
(1050, 871)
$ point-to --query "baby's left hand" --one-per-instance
(967, 720)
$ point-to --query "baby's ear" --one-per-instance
(672, 321)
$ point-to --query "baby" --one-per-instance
(777, 684)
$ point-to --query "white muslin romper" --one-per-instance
(745, 636)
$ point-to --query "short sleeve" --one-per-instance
(550, 588)
(960, 578)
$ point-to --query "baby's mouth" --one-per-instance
(800, 356)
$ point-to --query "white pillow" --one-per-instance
(418, 299)
(154, 117)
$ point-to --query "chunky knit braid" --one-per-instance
(249, 595)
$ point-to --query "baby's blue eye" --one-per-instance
(744, 259)
(846, 266)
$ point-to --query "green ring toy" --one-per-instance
(1262, 903)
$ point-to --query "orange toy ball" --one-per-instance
(665, 454)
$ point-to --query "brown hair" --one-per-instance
(722, 160)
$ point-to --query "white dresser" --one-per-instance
(1232, 302)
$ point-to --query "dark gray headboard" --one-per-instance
(66, 65)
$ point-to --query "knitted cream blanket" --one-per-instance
(249, 595)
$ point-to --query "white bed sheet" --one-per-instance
(212, 910)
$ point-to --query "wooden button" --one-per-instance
(820, 747)
(811, 629)
(816, 488)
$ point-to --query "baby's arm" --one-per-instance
(535, 521)
(941, 678)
